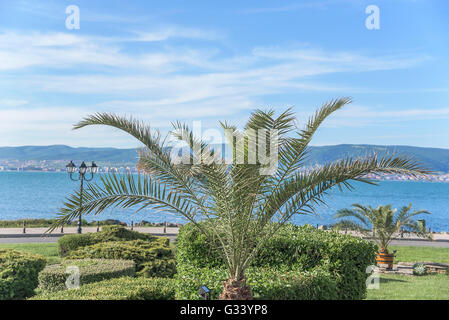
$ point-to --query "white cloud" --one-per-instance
(405, 114)
(53, 50)
(362, 116)
(170, 109)
(67, 51)
(19, 40)
(163, 75)
(161, 83)
(54, 124)
(341, 61)
(12, 103)
(175, 32)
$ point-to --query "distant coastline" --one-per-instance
(56, 157)
(442, 178)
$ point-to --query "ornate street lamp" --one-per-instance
(83, 169)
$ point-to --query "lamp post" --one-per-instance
(83, 169)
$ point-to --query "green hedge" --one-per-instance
(153, 259)
(53, 277)
(301, 248)
(19, 273)
(266, 283)
(285, 284)
(117, 289)
(190, 278)
(159, 268)
(68, 243)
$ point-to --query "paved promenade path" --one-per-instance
(440, 240)
(16, 235)
(420, 243)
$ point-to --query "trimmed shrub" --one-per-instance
(117, 289)
(160, 268)
(301, 248)
(19, 273)
(266, 283)
(153, 259)
(193, 248)
(68, 243)
(54, 277)
(190, 278)
(272, 284)
(71, 242)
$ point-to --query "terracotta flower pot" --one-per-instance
(383, 257)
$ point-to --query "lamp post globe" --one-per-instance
(93, 168)
(71, 168)
(82, 170)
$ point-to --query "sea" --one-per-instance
(41, 194)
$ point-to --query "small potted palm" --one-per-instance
(384, 222)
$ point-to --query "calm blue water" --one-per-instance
(40, 194)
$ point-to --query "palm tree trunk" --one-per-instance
(236, 289)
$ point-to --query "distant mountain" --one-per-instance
(62, 152)
(432, 158)
(435, 159)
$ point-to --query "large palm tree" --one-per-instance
(384, 221)
(237, 205)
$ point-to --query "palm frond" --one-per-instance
(124, 192)
(306, 189)
(150, 138)
(348, 213)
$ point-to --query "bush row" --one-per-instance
(54, 277)
(125, 288)
(19, 273)
(301, 248)
(69, 243)
(153, 259)
(266, 283)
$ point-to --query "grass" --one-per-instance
(402, 287)
(415, 254)
(48, 250)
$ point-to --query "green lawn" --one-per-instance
(393, 287)
(48, 250)
(401, 287)
(414, 254)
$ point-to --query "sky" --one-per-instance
(218, 60)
